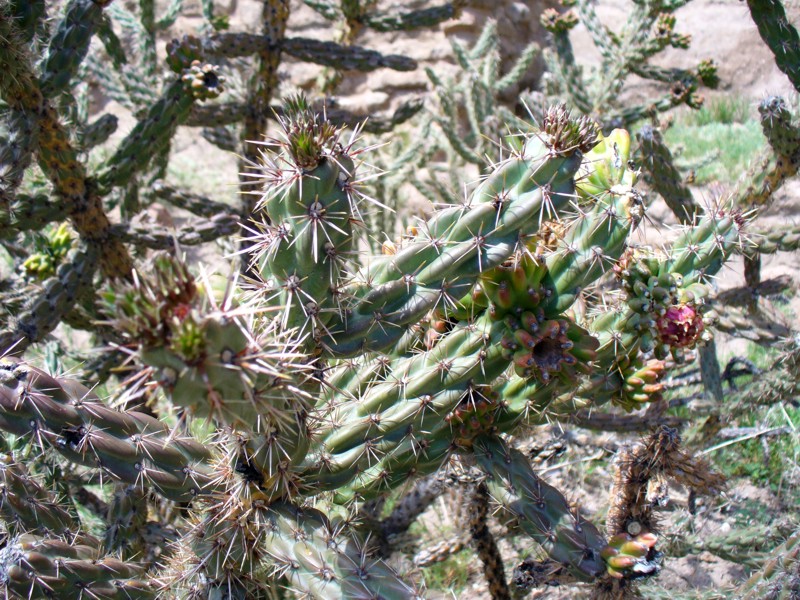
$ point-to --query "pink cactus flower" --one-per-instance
(680, 326)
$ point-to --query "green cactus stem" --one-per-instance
(448, 377)
(747, 545)
(16, 151)
(317, 556)
(150, 135)
(565, 68)
(348, 58)
(778, 577)
(45, 310)
(414, 19)
(126, 518)
(776, 123)
(664, 176)
(304, 222)
(31, 213)
(768, 172)
(441, 263)
(208, 360)
(112, 44)
(36, 567)
(97, 132)
(194, 203)
(69, 45)
(128, 446)
(781, 240)
(779, 34)
(668, 282)
(27, 506)
(196, 232)
(541, 511)
(411, 505)
(29, 15)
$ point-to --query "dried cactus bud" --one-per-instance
(681, 91)
(544, 349)
(664, 27)
(565, 135)
(556, 22)
(203, 80)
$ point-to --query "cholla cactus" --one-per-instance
(47, 62)
(254, 426)
(321, 387)
(625, 51)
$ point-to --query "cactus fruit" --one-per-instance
(680, 326)
(626, 553)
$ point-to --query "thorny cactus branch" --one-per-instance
(485, 544)
(56, 156)
(540, 510)
(263, 83)
(779, 34)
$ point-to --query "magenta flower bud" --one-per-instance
(680, 326)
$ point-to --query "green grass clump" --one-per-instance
(734, 145)
(772, 460)
(451, 576)
(725, 110)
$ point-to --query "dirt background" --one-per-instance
(720, 29)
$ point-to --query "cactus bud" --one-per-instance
(681, 326)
